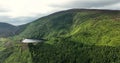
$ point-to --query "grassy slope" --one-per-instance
(67, 33)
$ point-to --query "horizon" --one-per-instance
(61, 11)
(18, 12)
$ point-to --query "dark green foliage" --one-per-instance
(90, 27)
(5, 54)
(73, 36)
(73, 52)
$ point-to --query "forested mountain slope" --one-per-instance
(72, 36)
(100, 27)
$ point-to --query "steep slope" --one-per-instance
(73, 36)
(20, 28)
(100, 27)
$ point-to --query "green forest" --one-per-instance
(71, 36)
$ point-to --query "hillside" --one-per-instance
(6, 29)
(100, 27)
(73, 36)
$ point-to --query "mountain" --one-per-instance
(72, 36)
(89, 26)
(6, 29)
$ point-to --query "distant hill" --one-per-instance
(7, 29)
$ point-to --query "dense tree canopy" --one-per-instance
(72, 36)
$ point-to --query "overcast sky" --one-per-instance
(19, 12)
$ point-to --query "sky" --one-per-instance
(18, 12)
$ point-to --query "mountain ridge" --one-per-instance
(71, 37)
(6, 29)
(69, 23)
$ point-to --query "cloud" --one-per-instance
(88, 3)
(29, 7)
(17, 21)
(2, 10)
(113, 6)
(23, 11)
